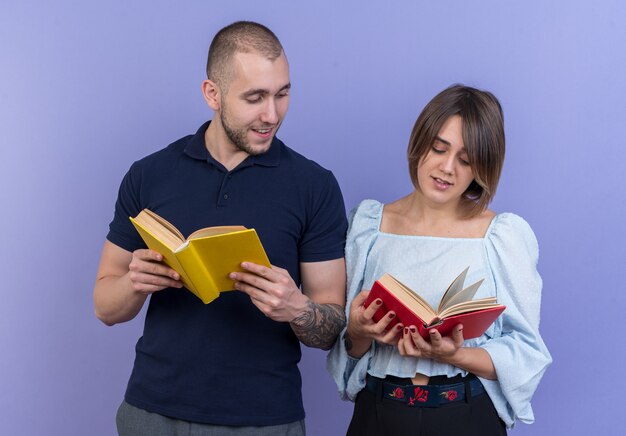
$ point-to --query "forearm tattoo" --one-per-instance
(319, 325)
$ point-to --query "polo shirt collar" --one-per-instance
(196, 149)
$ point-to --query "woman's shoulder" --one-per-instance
(368, 211)
(364, 221)
(506, 221)
(510, 229)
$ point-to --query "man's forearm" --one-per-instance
(319, 325)
(114, 300)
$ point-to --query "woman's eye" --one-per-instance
(438, 150)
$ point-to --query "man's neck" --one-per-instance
(221, 148)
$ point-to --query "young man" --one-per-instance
(229, 367)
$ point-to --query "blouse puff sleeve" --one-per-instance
(517, 350)
(349, 373)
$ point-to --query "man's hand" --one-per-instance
(316, 314)
(148, 275)
(124, 281)
(272, 290)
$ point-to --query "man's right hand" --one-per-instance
(148, 274)
(125, 280)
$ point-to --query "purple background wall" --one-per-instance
(88, 87)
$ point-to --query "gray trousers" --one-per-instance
(132, 421)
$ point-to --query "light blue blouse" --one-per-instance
(506, 258)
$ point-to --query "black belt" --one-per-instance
(425, 396)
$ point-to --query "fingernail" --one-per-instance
(378, 302)
(406, 331)
(232, 276)
(244, 264)
(413, 329)
(399, 327)
(431, 331)
(392, 315)
(236, 285)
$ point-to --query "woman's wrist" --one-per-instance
(356, 346)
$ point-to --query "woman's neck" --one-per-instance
(411, 215)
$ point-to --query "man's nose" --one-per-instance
(269, 114)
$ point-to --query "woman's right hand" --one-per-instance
(362, 329)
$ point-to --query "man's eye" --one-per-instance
(254, 100)
(285, 94)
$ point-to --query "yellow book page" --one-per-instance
(212, 231)
(169, 256)
(159, 228)
(223, 254)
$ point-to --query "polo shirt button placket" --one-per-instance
(224, 194)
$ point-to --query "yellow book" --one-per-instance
(206, 257)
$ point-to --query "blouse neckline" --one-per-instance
(379, 220)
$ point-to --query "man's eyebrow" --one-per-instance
(261, 91)
(251, 92)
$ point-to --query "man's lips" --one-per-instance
(263, 131)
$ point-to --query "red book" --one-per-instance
(456, 307)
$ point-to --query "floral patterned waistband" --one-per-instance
(425, 396)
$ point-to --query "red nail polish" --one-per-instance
(392, 315)
(413, 329)
(378, 302)
(406, 330)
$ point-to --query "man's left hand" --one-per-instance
(272, 290)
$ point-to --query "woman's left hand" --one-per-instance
(439, 348)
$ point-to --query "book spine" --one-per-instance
(202, 282)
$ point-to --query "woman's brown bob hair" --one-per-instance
(483, 137)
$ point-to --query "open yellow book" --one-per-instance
(206, 257)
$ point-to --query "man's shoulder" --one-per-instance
(165, 155)
(300, 163)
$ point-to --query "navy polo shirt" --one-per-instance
(226, 363)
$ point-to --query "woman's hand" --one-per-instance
(440, 348)
(362, 329)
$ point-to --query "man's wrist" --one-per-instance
(303, 306)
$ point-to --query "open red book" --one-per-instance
(456, 307)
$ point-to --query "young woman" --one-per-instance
(401, 383)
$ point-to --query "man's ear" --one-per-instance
(212, 94)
